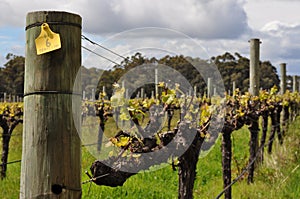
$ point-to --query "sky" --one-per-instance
(197, 28)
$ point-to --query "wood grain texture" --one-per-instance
(51, 145)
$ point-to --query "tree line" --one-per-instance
(12, 75)
(232, 67)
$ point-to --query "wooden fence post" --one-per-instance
(156, 81)
(51, 153)
(83, 95)
(283, 114)
(254, 90)
(283, 78)
(298, 85)
(295, 83)
(190, 92)
(209, 88)
(233, 87)
(254, 67)
(93, 95)
(195, 91)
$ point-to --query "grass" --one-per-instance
(278, 177)
(10, 186)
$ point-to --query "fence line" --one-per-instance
(12, 97)
(12, 162)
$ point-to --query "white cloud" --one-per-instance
(6, 10)
(202, 19)
(282, 40)
(218, 25)
(150, 46)
(261, 12)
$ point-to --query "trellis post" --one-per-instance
(295, 83)
(254, 67)
(51, 153)
(254, 90)
(209, 88)
(283, 78)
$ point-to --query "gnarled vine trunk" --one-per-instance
(274, 123)
(5, 150)
(265, 118)
(187, 168)
(254, 130)
(226, 160)
(6, 135)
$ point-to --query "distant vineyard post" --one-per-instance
(209, 87)
(298, 84)
(282, 78)
(51, 151)
(284, 113)
(254, 67)
(156, 81)
(254, 78)
(295, 77)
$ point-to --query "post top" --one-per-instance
(255, 40)
(37, 18)
(51, 12)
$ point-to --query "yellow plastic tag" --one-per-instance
(47, 40)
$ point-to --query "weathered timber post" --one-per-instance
(209, 87)
(51, 154)
(233, 88)
(5, 97)
(156, 80)
(299, 85)
(283, 78)
(142, 93)
(295, 83)
(93, 95)
(215, 92)
(190, 92)
(83, 95)
(195, 91)
(254, 90)
(284, 112)
(293, 105)
(254, 66)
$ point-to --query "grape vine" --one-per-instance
(11, 114)
(193, 127)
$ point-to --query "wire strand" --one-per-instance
(12, 162)
(93, 179)
(85, 48)
(245, 169)
(94, 43)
